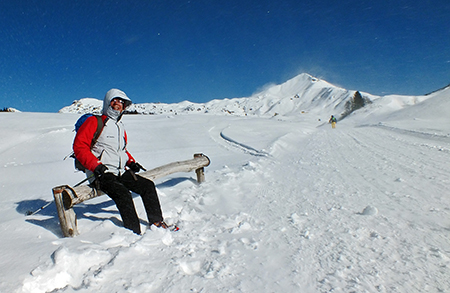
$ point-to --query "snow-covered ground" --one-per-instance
(289, 205)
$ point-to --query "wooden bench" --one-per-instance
(67, 197)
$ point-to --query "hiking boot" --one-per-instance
(161, 224)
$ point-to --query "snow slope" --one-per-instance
(289, 204)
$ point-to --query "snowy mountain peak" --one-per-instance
(301, 94)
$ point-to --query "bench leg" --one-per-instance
(67, 217)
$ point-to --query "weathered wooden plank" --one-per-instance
(76, 195)
(199, 161)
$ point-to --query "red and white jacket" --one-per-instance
(109, 150)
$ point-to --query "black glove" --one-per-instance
(100, 171)
(136, 167)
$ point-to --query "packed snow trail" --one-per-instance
(371, 209)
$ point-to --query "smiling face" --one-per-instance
(117, 104)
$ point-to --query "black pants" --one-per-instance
(118, 189)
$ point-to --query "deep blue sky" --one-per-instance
(54, 52)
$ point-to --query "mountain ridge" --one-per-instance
(293, 98)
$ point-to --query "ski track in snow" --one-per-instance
(219, 135)
(242, 146)
(346, 222)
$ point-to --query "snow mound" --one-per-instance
(369, 211)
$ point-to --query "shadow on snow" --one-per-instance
(47, 209)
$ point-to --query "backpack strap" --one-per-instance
(100, 125)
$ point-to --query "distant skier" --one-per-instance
(333, 121)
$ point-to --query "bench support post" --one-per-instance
(67, 217)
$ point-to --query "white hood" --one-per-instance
(111, 94)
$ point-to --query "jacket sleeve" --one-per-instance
(82, 144)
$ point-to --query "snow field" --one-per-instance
(287, 206)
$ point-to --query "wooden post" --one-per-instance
(66, 197)
(200, 171)
(67, 217)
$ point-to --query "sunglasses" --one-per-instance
(117, 100)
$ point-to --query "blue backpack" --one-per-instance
(97, 133)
